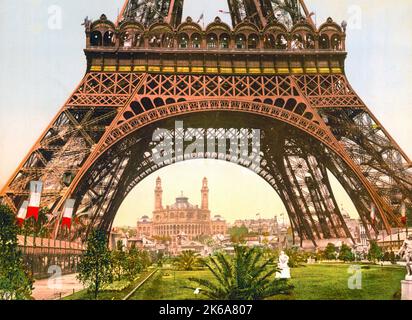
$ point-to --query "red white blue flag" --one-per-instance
(68, 213)
(34, 202)
(403, 212)
(21, 215)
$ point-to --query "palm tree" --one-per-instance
(246, 276)
(187, 260)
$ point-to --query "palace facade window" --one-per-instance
(211, 41)
(108, 39)
(96, 39)
(281, 42)
(224, 41)
(240, 41)
(183, 41)
(324, 42)
(196, 41)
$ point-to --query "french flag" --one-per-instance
(403, 212)
(34, 202)
(21, 215)
(68, 213)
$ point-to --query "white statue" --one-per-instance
(406, 252)
(283, 267)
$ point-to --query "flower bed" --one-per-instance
(116, 286)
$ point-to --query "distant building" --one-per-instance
(259, 226)
(218, 225)
(356, 229)
(182, 217)
(394, 240)
(144, 226)
(118, 236)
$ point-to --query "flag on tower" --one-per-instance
(403, 212)
(68, 213)
(34, 202)
(21, 215)
(202, 17)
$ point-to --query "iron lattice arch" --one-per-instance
(97, 148)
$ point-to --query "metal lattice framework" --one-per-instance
(290, 83)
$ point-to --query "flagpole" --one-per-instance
(34, 234)
(41, 236)
(25, 236)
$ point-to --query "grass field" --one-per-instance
(312, 282)
(109, 295)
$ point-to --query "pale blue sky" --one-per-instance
(40, 68)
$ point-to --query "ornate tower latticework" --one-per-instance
(273, 70)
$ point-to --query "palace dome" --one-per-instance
(182, 202)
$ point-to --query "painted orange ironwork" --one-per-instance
(288, 79)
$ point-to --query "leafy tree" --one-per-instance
(330, 252)
(118, 259)
(269, 253)
(38, 228)
(346, 254)
(386, 256)
(145, 258)
(187, 260)
(133, 265)
(319, 255)
(95, 267)
(296, 257)
(392, 257)
(375, 252)
(246, 276)
(238, 234)
(158, 258)
(15, 281)
(204, 239)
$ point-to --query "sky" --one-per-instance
(42, 61)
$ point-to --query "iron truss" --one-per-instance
(98, 147)
(259, 12)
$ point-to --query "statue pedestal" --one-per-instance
(284, 273)
(406, 289)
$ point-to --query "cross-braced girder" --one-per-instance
(311, 205)
(292, 76)
(150, 98)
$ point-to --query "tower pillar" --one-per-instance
(205, 195)
(158, 194)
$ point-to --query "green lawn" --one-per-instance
(312, 282)
(330, 282)
(170, 285)
(109, 295)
